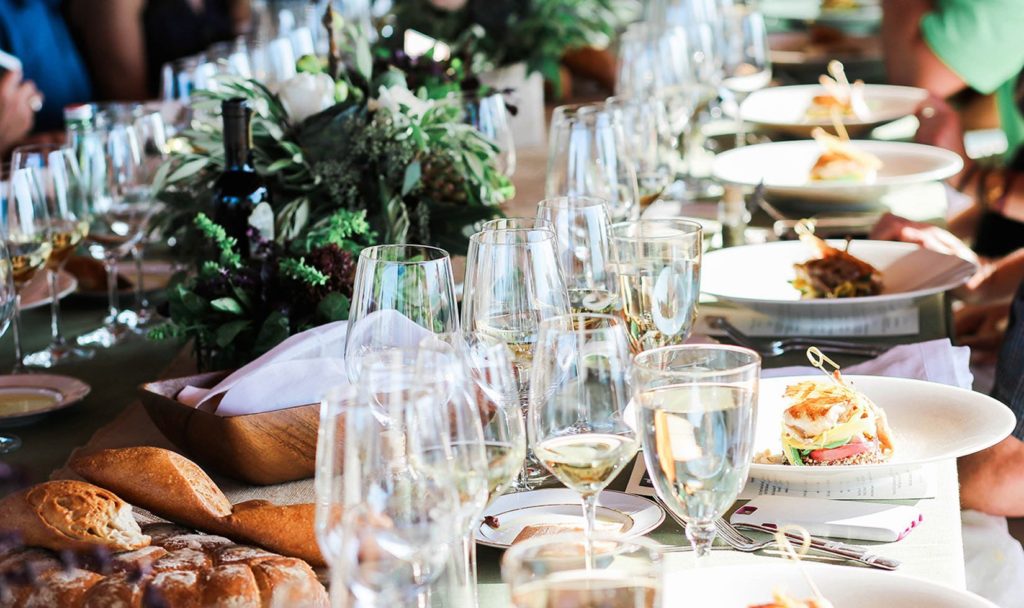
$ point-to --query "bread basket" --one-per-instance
(262, 449)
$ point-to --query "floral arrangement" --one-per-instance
(489, 34)
(351, 156)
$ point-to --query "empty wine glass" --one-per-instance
(645, 122)
(489, 115)
(8, 301)
(696, 410)
(583, 234)
(401, 294)
(579, 389)
(152, 138)
(513, 282)
(658, 265)
(588, 156)
(27, 233)
(58, 176)
(745, 61)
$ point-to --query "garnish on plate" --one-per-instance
(840, 94)
(840, 160)
(780, 598)
(833, 273)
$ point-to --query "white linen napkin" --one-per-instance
(300, 370)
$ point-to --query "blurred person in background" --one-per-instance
(53, 74)
(126, 42)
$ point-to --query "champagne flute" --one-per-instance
(59, 177)
(583, 233)
(696, 408)
(658, 265)
(745, 57)
(588, 156)
(543, 572)
(579, 389)
(513, 282)
(401, 294)
(8, 298)
(27, 232)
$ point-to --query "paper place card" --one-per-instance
(901, 321)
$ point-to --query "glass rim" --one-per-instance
(516, 552)
(477, 238)
(639, 361)
(576, 111)
(440, 254)
(616, 321)
(519, 218)
(694, 228)
(551, 202)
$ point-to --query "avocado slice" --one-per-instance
(793, 455)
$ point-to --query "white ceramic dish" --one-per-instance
(929, 421)
(616, 512)
(784, 108)
(37, 395)
(37, 292)
(785, 167)
(845, 587)
(758, 276)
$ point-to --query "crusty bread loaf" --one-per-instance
(184, 569)
(285, 529)
(72, 515)
(159, 480)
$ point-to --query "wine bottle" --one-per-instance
(239, 189)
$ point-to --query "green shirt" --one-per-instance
(982, 41)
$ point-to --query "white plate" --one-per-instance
(758, 276)
(929, 422)
(844, 586)
(784, 108)
(785, 167)
(37, 292)
(54, 393)
(617, 511)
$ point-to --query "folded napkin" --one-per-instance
(935, 361)
(301, 369)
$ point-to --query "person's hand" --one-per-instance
(983, 328)
(19, 101)
(895, 228)
(940, 126)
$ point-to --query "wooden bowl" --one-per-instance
(261, 449)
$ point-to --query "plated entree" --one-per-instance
(840, 97)
(833, 272)
(841, 161)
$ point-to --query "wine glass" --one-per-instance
(696, 410)
(489, 115)
(540, 571)
(513, 282)
(27, 231)
(119, 214)
(658, 265)
(588, 156)
(583, 234)
(8, 302)
(152, 137)
(745, 57)
(396, 523)
(401, 294)
(645, 122)
(579, 389)
(58, 176)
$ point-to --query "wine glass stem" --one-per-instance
(590, 522)
(56, 330)
(110, 265)
(701, 535)
(19, 356)
(141, 302)
(465, 587)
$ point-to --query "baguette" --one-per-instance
(161, 481)
(71, 515)
(286, 529)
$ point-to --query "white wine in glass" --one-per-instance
(588, 461)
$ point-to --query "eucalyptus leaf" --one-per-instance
(412, 177)
(227, 333)
(275, 330)
(228, 305)
(188, 169)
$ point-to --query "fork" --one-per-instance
(774, 348)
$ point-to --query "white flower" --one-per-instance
(399, 100)
(448, 5)
(303, 95)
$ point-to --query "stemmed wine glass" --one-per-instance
(658, 264)
(152, 138)
(513, 282)
(60, 181)
(489, 116)
(27, 231)
(583, 234)
(579, 390)
(696, 410)
(645, 122)
(8, 302)
(588, 156)
(401, 294)
(745, 57)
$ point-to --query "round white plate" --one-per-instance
(616, 512)
(784, 108)
(929, 422)
(758, 276)
(37, 292)
(36, 395)
(785, 167)
(844, 586)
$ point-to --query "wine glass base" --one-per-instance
(145, 320)
(9, 443)
(53, 356)
(106, 336)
